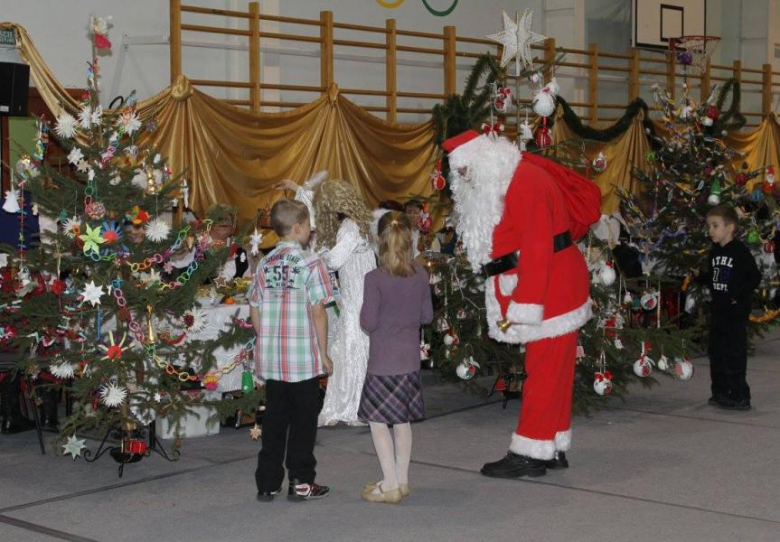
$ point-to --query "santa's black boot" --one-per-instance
(558, 461)
(514, 465)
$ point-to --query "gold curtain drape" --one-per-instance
(759, 148)
(234, 156)
(623, 154)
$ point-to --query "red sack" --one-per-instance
(582, 196)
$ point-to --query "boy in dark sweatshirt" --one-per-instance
(731, 275)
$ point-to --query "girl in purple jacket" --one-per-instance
(396, 301)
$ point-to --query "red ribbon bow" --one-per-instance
(488, 128)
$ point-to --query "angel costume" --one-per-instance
(352, 257)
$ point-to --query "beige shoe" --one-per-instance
(392, 496)
(403, 488)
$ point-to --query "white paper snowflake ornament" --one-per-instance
(63, 371)
(66, 126)
(157, 230)
(112, 395)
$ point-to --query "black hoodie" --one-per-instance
(731, 276)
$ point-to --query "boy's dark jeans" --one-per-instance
(728, 359)
(292, 406)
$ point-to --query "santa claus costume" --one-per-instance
(518, 217)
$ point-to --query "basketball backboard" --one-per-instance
(658, 21)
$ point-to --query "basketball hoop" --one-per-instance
(693, 51)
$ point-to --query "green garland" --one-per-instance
(731, 118)
(617, 129)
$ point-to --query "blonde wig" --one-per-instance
(334, 198)
(395, 244)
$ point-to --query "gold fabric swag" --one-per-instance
(233, 156)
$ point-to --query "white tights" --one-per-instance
(394, 459)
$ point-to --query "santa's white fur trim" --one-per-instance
(488, 165)
(525, 313)
(523, 333)
(507, 283)
(538, 449)
(563, 440)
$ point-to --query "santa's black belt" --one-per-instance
(509, 261)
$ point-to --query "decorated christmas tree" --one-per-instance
(97, 306)
(692, 170)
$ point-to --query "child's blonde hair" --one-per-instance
(395, 244)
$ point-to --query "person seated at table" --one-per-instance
(222, 232)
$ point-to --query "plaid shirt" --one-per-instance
(288, 282)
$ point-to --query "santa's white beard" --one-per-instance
(479, 195)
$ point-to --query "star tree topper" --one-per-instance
(517, 39)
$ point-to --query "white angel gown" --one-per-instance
(352, 257)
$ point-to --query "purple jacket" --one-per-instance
(393, 310)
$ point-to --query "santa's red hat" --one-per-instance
(461, 139)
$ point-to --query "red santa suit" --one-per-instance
(515, 217)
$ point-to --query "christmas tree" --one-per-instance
(97, 303)
(692, 171)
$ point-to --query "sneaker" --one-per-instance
(743, 404)
(515, 465)
(268, 496)
(306, 492)
(558, 462)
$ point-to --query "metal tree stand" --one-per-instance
(134, 444)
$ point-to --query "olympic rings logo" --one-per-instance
(395, 4)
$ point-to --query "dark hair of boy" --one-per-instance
(726, 212)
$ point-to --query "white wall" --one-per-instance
(58, 28)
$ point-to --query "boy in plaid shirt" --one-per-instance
(287, 298)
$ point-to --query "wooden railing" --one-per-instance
(636, 69)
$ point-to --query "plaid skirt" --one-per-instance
(392, 398)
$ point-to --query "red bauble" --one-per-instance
(57, 287)
(712, 112)
(769, 247)
(741, 179)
